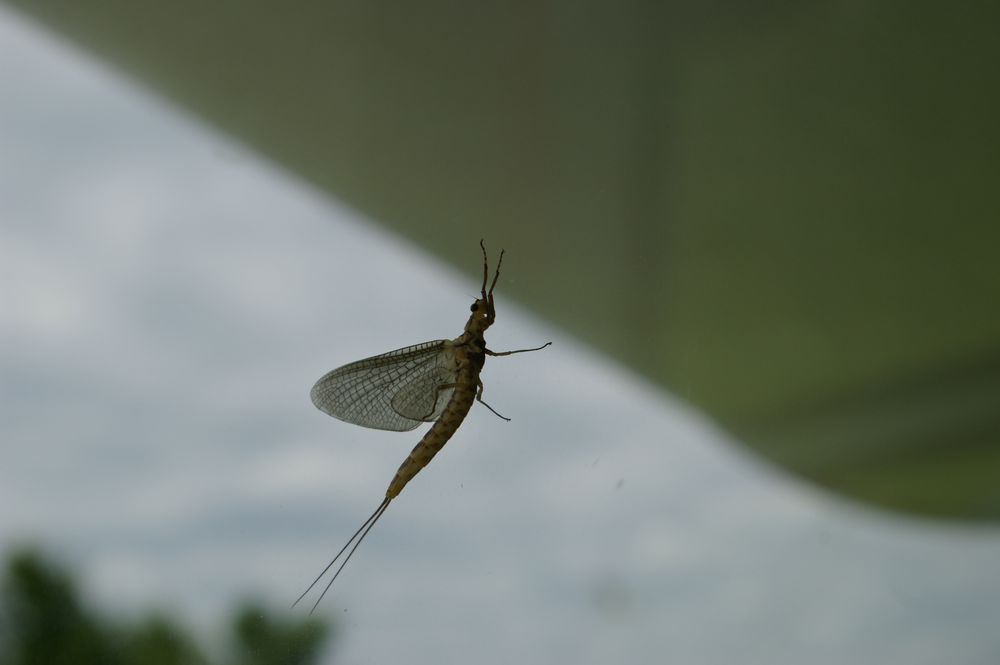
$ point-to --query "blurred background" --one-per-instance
(761, 236)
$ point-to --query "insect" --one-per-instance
(402, 389)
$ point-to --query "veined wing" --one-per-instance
(394, 391)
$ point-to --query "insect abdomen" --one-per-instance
(433, 440)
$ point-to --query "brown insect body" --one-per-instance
(468, 352)
(434, 381)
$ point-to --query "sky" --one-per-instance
(167, 299)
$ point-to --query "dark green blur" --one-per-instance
(44, 621)
(785, 213)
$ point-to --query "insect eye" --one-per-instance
(474, 307)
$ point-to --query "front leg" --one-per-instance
(507, 353)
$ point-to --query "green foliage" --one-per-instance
(262, 640)
(43, 621)
(157, 641)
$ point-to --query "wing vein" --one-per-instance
(395, 391)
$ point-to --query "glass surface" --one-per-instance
(168, 300)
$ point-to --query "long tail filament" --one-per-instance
(358, 536)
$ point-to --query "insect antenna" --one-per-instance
(362, 531)
(496, 275)
(486, 273)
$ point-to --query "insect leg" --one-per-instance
(507, 353)
(479, 393)
(479, 398)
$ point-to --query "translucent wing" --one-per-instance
(395, 391)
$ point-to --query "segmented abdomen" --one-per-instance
(439, 433)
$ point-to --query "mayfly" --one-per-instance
(402, 389)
